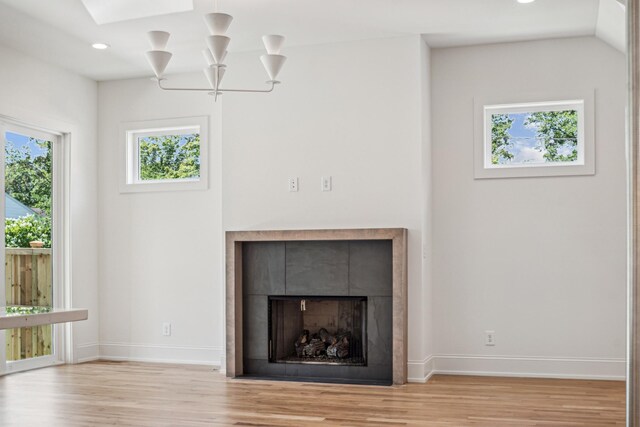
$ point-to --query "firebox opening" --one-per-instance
(318, 330)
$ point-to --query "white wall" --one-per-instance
(340, 112)
(160, 253)
(43, 95)
(398, 142)
(539, 260)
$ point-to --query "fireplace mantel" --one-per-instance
(234, 289)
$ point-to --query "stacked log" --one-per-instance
(326, 337)
(301, 342)
(340, 349)
(323, 343)
(314, 348)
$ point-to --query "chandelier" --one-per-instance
(214, 55)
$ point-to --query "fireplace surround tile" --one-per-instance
(263, 268)
(262, 367)
(256, 330)
(240, 362)
(370, 268)
(317, 268)
(379, 331)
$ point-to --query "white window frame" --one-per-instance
(131, 132)
(62, 333)
(585, 164)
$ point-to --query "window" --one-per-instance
(165, 155)
(535, 139)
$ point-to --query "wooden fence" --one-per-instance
(28, 279)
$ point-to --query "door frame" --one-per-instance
(62, 333)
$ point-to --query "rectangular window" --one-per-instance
(165, 155)
(534, 135)
(535, 139)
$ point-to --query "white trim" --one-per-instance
(87, 352)
(191, 355)
(62, 251)
(535, 102)
(420, 371)
(129, 134)
(531, 366)
(59, 222)
(3, 297)
(32, 363)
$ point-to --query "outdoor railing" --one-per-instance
(28, 279)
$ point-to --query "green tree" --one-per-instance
(20, 231)
(28, 178)
(557, 130)
(170, 157)
(500, 138)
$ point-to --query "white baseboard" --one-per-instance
(532, 367)
(86, 352)
(419, 371)
(190, 355)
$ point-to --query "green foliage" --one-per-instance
(29, 178)
(170, 157)
(20, 231)
(500, 138)
(27, 309)
(557, 129)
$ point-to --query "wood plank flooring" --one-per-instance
(157, 395)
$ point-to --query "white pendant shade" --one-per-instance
(218, 47)
(218, 23)
(221, 71)
(158, 39)
(273, 43)
(208, 58)
(210, 73)
(273, 64)
(158, 60)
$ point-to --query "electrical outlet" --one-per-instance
(293, 184)
(325, 183)
(166, 329)
(490, 338)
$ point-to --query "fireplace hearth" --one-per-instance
(317, 305)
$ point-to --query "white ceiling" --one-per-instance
(61, 31)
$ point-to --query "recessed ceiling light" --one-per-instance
(100, 46)
(526, 1)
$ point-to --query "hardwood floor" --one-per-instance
(142, 394)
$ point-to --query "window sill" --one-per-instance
(56, 315)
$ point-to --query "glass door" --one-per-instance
(29, 218)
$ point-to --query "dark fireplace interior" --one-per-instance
(320, 330)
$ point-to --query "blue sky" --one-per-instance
(19, 141)
(525, 147)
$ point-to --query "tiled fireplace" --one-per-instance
(317, 305)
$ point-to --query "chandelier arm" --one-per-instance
(182, 88)
(273, 85)
(193, 89)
